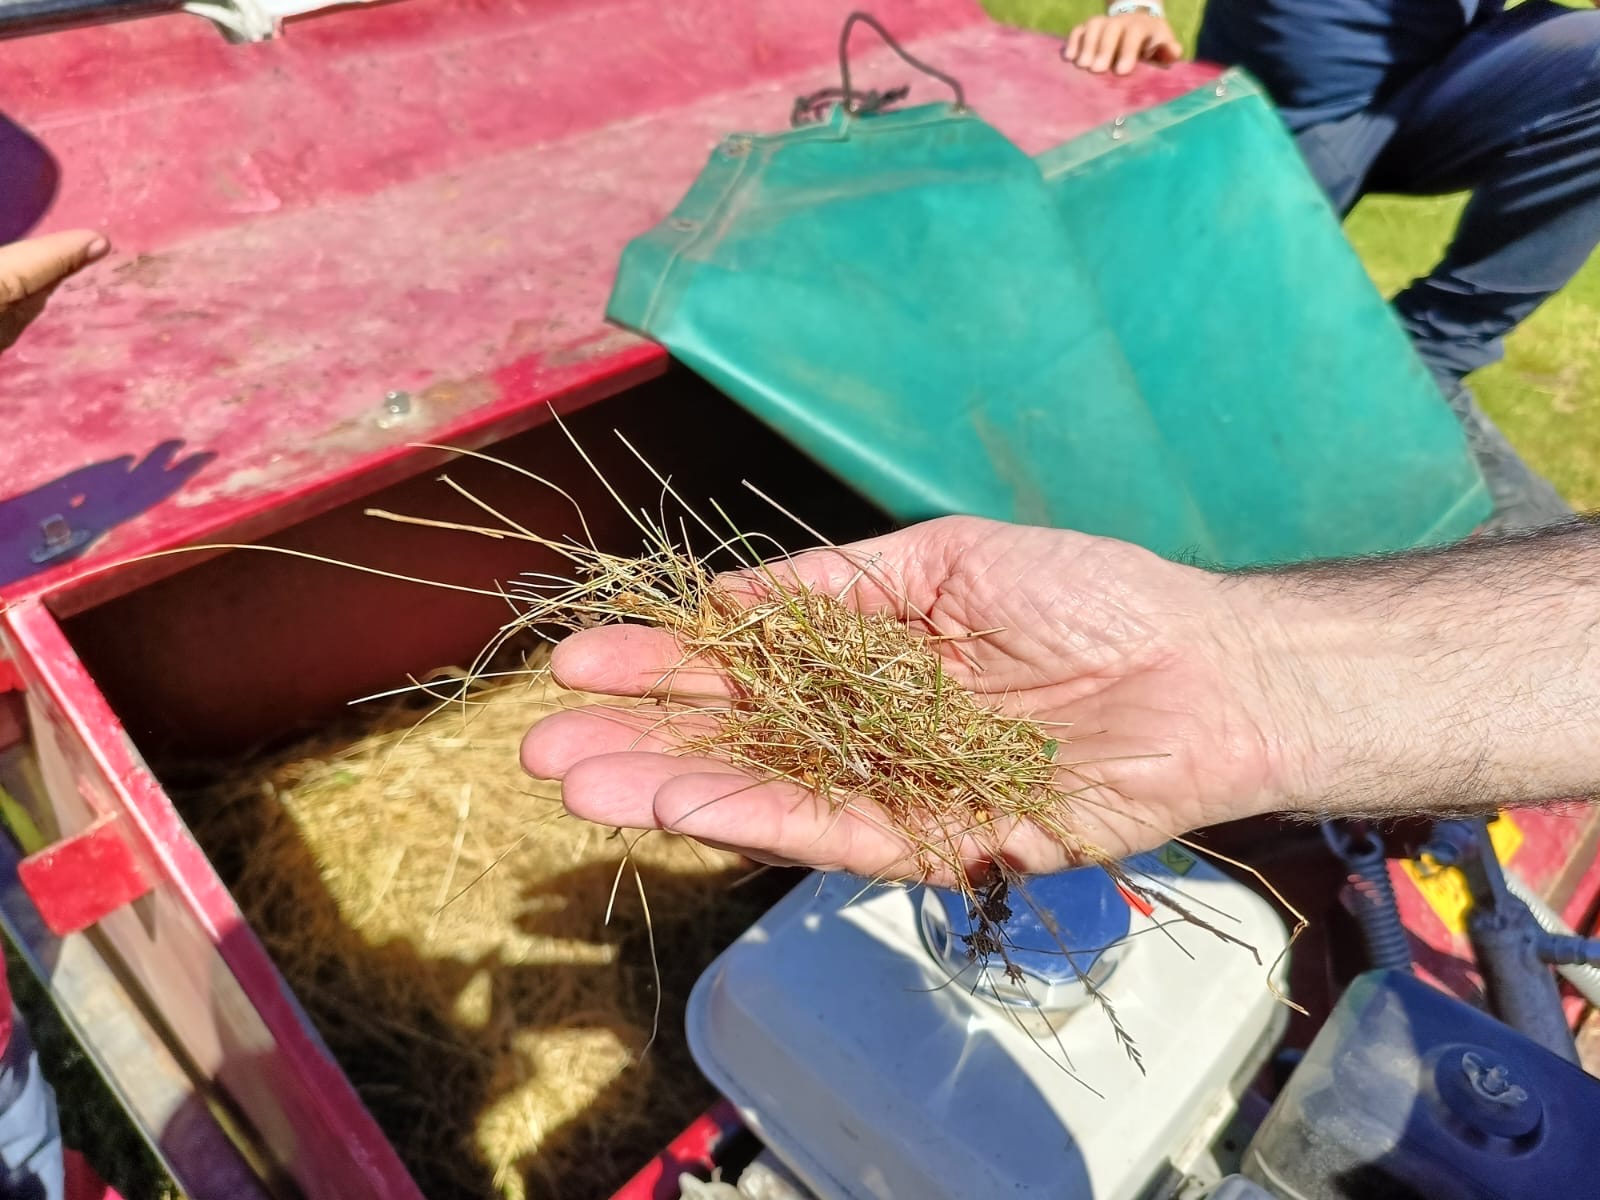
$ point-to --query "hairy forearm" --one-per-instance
(1452, 680)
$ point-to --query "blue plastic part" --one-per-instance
(1410, 1094)
(1089, 916)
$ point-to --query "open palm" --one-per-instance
(1135, 653)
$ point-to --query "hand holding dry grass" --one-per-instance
(1126, 654)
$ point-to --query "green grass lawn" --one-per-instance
(1546, 395)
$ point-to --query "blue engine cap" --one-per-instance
(1090, 915)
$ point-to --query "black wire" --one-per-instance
(809, 108)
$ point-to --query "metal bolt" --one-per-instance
(57, 533)
(56, 538)
(1443, 854)
(396, 410)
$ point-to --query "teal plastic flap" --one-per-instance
(1310, 427)
(907, 298)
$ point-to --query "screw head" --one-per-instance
(1491, 1081)
(57, 538)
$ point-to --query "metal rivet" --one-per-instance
(736, 147)
(1222, 88)
(396, 409)
(1116, 128)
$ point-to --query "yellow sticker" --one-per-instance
(1445, 889)
(1176, 859)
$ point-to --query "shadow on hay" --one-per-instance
(427, 1081)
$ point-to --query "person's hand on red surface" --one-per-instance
(1118, 44)
(32, 269)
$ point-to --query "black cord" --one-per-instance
(811, 107)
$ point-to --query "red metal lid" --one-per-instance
(397, 224)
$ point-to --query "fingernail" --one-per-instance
(98, 248)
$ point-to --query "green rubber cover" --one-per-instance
(1157, 331)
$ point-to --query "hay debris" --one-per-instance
(443, 922)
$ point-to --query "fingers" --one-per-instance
(1083, 43)
(1118, 44)
(1069, 52)
(561, 740)
(633, 660)
(30, 271)
(30, 267)
(899, 574)
(706, 800)
(1129, 52)
(626, 768)
(1165, 49)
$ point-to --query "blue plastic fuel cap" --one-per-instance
(1091, 919)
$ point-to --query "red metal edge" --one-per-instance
(46, 662)
(78, 880)
(693, 1151)
(529, 393)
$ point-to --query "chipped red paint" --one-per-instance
(427, 197)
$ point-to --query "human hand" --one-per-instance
(32, 269)
(1148, 661)
(1118, 44)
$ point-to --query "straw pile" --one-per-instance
(444, 924)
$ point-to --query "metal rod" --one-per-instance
(20, 18)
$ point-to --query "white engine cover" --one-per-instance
(871, 1075)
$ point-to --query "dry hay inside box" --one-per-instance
(443, 923)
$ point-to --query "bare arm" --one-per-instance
(1461, 679)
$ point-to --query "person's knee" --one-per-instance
(1568, 52)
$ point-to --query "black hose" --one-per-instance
(1369, 895)
(18, 18)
